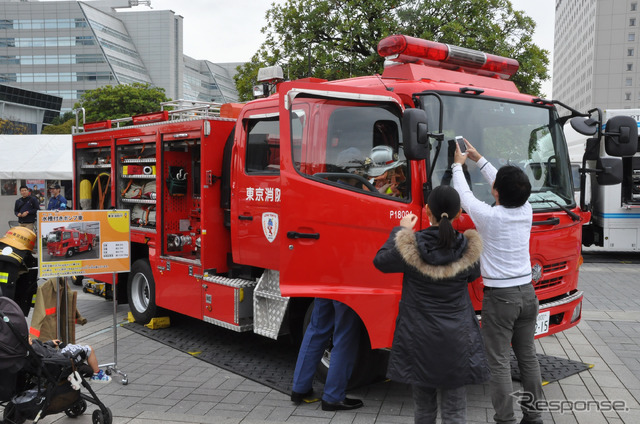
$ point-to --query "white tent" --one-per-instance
(47, 157)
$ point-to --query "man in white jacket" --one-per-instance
(510, 305)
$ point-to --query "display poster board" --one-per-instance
(8, 187)
(81, 242)
(38, 189)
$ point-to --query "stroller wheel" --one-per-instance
(76, 409)
(100, 418)
(11, 416)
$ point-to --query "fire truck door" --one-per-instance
(256, 204)
(346, 184)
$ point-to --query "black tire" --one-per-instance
(141, 292)
(10, 415)
(89, 248)
(70, 252)
(370, 366)
(76, 409)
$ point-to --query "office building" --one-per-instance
(63, 48)
(596, 50)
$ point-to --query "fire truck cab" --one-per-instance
(242, 214)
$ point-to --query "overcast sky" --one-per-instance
(229, 31)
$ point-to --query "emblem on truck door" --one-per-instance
(270, 225)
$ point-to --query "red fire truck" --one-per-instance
(69, 241)
(243, 214)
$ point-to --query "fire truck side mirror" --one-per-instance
(415, 134)
(609, 171)
(592, 149)
(584, 125)
(575, 176)
(621, 136)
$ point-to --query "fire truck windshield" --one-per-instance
(521, 134)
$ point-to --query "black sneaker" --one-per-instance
(343, 405)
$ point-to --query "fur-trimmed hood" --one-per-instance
(419, 251)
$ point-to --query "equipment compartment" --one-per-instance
(136, 181)
(94, 163)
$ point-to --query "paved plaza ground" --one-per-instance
(169, 386)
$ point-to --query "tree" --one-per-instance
(245, 79)
(120, 101)
(336, 39)
(491, 26)
(61, 124)
(11, 127)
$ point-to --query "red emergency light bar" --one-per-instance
(404, 49)
(151, 117)
(99, 125)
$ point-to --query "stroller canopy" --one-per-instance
(13, 327)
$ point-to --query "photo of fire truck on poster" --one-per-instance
(83, 242)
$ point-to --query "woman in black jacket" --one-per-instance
(437, 344)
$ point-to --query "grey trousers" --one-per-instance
(509, 321)
(453, 405)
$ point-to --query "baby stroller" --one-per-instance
(32, 387)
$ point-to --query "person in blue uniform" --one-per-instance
(329, 317)
(57, 202)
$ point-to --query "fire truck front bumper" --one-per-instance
(564, 312)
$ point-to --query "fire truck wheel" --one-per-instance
(141, 290)
(70, 252)
(89, 247)
(370, 366)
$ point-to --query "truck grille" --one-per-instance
(550, 282)
(555, 267)
(543, 284)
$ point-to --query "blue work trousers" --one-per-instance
(328, 317)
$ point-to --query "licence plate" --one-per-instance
(542, 323)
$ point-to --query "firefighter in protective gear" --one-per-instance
(46, 313)
(18, 267)
(21, 238)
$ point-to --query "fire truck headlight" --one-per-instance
(576, 312)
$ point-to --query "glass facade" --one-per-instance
(207, 82)
(64, 48)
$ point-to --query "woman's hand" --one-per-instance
(409, 221)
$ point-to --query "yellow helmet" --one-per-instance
(21, 238)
